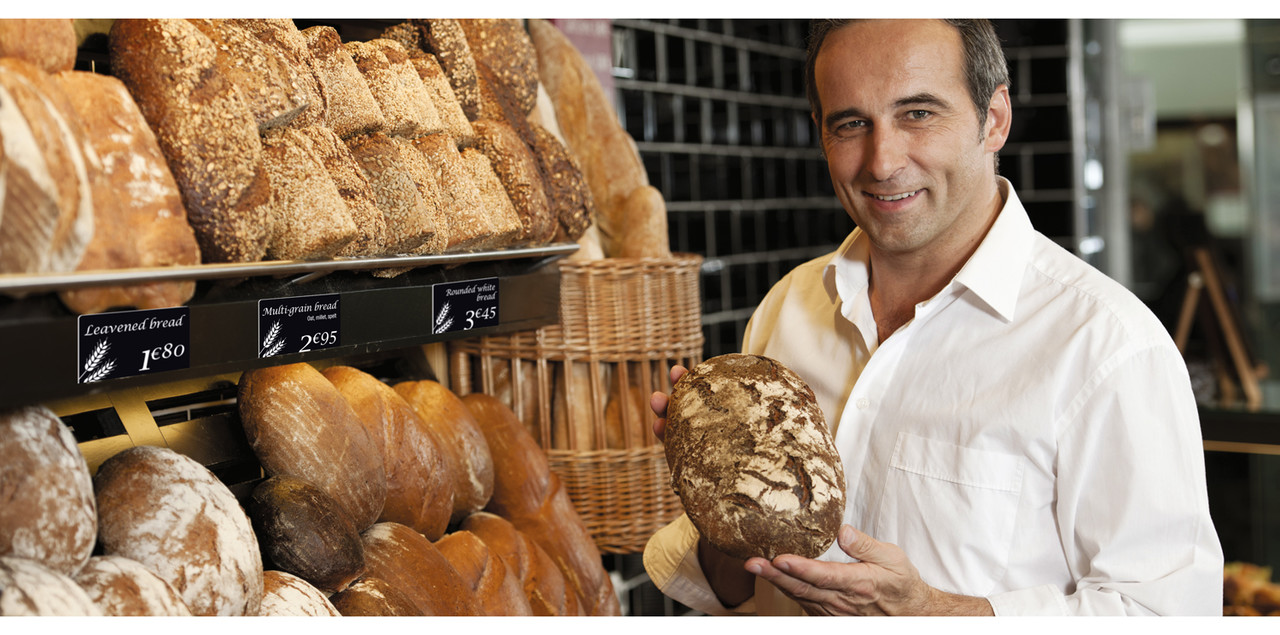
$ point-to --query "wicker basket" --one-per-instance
(582, 386)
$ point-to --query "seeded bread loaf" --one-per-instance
(282, 35)
(312, 221)
(353, 186)
(504, 46)
(446, 39)
(410, 221)
(271, 86)
(521, 177)
(350, 108)
(504, 219)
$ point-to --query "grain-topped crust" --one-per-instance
(446, 39)
(353, 186)
(504, 46)
(410, 221)
(283, 35)
(521, 177)
(312, 221)
(271, 85)
(351, 108)
(752, 459)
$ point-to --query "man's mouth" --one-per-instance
(893, 197)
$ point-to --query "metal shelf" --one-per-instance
(375, 314)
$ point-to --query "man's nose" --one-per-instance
(886, 152)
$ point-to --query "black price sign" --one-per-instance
(127, 343)
(298, 325)
(465, 305)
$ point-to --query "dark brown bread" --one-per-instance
(350, 107)
(373, 597)
(566, 188)
(445, 38)
(287, 595)
(303, 531)
(406, 560)
(122, 586)
(752, 458)
(504, 46)
(521, 178)
(456, 427)
(49, 44)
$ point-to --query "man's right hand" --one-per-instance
(658, 402)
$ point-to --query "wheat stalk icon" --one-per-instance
(97, 367)
(443, 321)
(269, 344)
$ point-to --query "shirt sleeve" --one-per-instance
(1132, 504)
(671, 560)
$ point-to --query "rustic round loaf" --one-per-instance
(303, 531)
(49, 514)
(752, 459)
(170, 513)
(285, 594)
(373, 597)
(32, 589)
(122, 586)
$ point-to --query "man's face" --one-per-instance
(901, 135)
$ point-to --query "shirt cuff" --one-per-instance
(1040, 600)
(671, 560)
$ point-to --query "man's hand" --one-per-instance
(658, 402)
(883, 582)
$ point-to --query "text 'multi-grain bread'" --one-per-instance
(752, 459)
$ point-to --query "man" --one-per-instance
(1018, 432)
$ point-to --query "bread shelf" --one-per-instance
(41, 338)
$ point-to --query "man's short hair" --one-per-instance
(985, 68)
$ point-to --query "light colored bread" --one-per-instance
(373, 597)
(430, 189)
(176, 518)
(283, 36)
(353, 186)
(350, 106)
(121, 586)
(493, 196)
(497, 591)
(627, 417)
(297, 423)
(452, 118)
(577, 407)
(287, 595)
(28, 588)
(396, 87)
(205, 129)
(445, 38)
(504, 46)
(303, 531)
(271, 86)
(412, 86)
(147, 227)
(520, 176)
(470, 224)
(409, 562)
(420, 485)
(643, 223)
(312, 221)
(410, 222)
(49, 44)
(50, 515)
(456, 427)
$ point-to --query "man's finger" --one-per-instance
(677, 372)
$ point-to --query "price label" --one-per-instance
(465, 305)
(126, 343)
(298, 325)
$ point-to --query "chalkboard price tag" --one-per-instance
(464, 305)
(127, 343)
(298, 325)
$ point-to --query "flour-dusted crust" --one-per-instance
(287, 595)
(122, 586)
(46, 493)
(28, 588)
(373, 597)
(752, 458)
(170, 513)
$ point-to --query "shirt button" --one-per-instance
(862, 403)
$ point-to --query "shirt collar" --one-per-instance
(993, 273)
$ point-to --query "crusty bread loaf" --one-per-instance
(373, 597)
(504, 46)
(148, 225)
(643, 222)
(49, 44)
(430, 190)
(456, 427)
(298, 424)
(283, 36)
(410, 222)
(28, 588)
(541, 579)
(521, 178)
(396, 87)
(47, 218)
(420, 486)
(498, 591)
(205, 129)
(287, 595)
(752, 459)
(566, 188)
(434, 80)
(444, 37)
(351, 108)
(552, 522)
(49, 514)
(121, 586)
(171, 514)
(411, 85)
(353, 186)
(470, 224)
(271, 86)
(312, 221)
(303, 531)
(406, 560)
(493, 196)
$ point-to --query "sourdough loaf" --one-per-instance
(287, 595)
(406, 560)
(353, 186)
(410, 221)
(298, 424)
(273, 88)
(504, 46)
(373, 597)
(49, 44)
(301, 530)
(458, 431)
(312, 221)
(121, 586)
(752, 459)
(28, 588)
(350, 106)
(520, 176)
(498, 590)
(171, 514)
(445, 38)
(49, 515)
(147, 227)
(420, 486)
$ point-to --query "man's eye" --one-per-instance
(845, 126)
(918, 114)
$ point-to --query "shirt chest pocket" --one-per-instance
(952, 510)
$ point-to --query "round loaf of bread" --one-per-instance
(170, 513)
(303, 531)
(287, 595)
(49, 514)
(373, 597)
(752, 459)
(121, 586)
(411, 563)
(32, 589)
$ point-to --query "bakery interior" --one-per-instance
(1167, 185)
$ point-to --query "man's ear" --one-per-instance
(999, 120)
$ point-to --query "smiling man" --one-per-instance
(1018, 431)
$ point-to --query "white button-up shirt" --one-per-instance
(1030, 436)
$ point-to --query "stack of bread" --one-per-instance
(378, 499)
